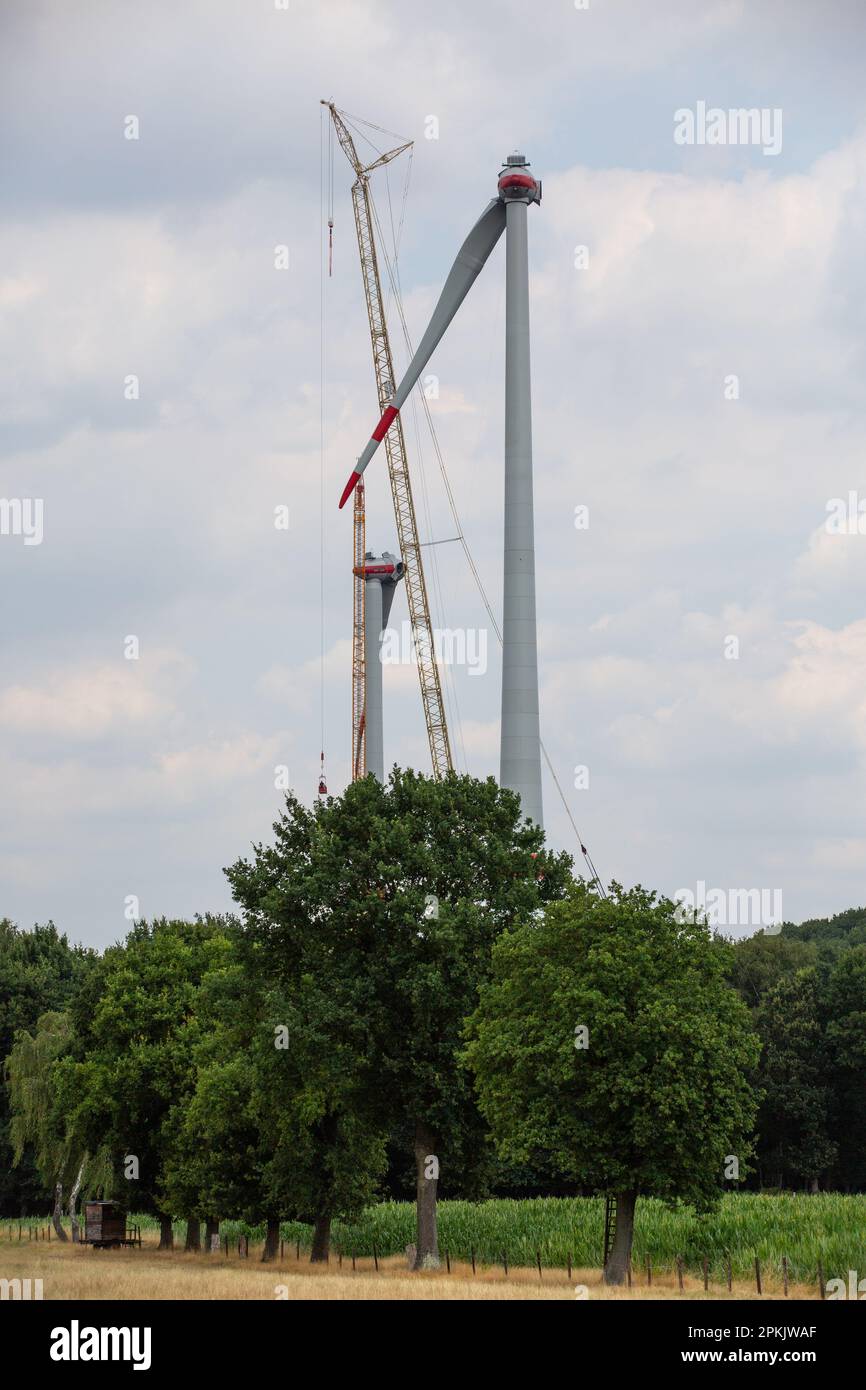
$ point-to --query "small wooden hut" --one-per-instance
(104, 1224)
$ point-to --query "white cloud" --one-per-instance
(89, 702)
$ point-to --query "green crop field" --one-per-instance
(827, 1227)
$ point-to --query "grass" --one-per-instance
(80, 1272)
(826, 1227)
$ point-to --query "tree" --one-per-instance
(270, 1127)
(792, 1121)
(136, 1027)
(608, 1038)
(842, 1010)
(760, 961)
(29, 1071)
(40, 972)
(325, 1153)
(378, 910)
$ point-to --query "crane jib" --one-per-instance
(401, 489)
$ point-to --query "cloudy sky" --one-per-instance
(699, 386)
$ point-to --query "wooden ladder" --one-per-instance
(609, 1226)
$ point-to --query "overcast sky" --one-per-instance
(699, 380)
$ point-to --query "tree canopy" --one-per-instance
(609, 1038)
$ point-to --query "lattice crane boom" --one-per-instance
(401, 487)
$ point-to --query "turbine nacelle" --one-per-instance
(516, 181)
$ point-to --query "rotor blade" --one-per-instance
(461, 277)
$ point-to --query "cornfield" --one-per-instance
(826, 1227)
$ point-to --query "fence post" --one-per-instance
(569, 1266)
(729, 1271)
(680, 1272)
(821, 1284)
(706, 1274)
(758, 1275)
(649, 1271)
(447, 1261)
(785, 1274)
(472, 1250)
(505, 1262)
(375, 1257)
(538, 1262)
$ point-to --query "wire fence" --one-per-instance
(767, 1276)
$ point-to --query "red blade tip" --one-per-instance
(354, 479)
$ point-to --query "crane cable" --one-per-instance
(461, 537)
(323, 788)
(330, 195)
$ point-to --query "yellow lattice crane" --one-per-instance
(401, 489)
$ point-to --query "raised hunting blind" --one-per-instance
(105, 1225)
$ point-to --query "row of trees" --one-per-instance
(806, 989)
(412, 979)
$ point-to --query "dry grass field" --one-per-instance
(80, 1272)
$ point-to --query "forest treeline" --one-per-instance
(399, 1006)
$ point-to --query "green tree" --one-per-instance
(378, 910)
(30, 1074)
(793, 1134)
(40, 972)
(842, 1010)
(608, 1038)
(271, 1129)
(136, 1028)
(759, 962)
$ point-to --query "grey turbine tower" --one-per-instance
(382, 574)
(520, 749)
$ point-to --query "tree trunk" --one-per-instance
(57, 1214)
(166, 1234)
(211, 1228)
(272, 1239)
(426, 1163)
(321, 1239)
(73, 1204)
(617, 1262)
(193, 1234)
